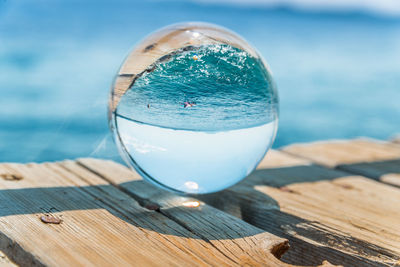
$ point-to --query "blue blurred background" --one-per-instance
(337, 67)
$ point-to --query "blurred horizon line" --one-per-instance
(383, 8)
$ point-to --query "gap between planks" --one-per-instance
(376, 159)
(104, 226)
(170, 206)
(345, 218)
(297, 210)
(159, 205)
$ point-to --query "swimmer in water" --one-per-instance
(195, 57)
(189, 104)
(148, 105)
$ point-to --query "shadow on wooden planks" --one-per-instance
(312, 241)
(90, 233)
(386, 171)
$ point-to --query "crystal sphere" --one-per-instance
(193, 108)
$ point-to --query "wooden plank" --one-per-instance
(102, 226)
(121, 84)
(168, 40)
(371, 158)
(233, 237)
(325, 213)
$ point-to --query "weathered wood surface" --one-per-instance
(325, 214)
(102, 225)
(332, 221)
(379, 160)
(236, 239)
(110, 217)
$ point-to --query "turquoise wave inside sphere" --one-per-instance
(199, 119)
(229, 88)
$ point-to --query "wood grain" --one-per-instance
(109, 216)
(230, 235)
(375, 159)
(103, 226)
(325, 214)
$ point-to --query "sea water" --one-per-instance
(200, 121)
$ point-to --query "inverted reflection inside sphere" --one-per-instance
(193, 108)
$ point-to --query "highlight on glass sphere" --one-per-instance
(193, 108)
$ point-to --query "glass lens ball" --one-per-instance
(193, 108)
